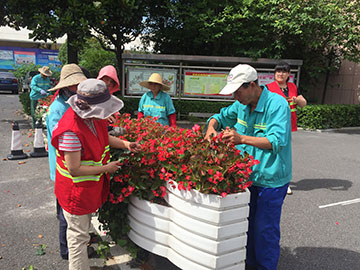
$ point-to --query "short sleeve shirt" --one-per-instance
(161, 106)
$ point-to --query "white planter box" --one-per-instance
(196, 231)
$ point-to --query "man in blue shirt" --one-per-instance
(261, 126)
(39, 86)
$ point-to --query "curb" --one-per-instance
(334, 130)
(120, 257)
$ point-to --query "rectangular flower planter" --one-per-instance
(196, 231)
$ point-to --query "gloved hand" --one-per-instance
(43, 92)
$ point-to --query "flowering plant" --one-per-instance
(42, 108)
(173, 154)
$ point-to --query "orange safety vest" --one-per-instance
(274, 87)
(82, 195)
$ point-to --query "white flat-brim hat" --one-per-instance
(155, 78)
(93, 100)
(239, 75)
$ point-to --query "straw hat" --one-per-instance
(71, 74)
(93, 100)
(155, 78)
(45, 70)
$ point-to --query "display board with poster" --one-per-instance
(136, 75)
(12, 56)
(204, 83)
(199, 83)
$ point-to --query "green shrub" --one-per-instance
(328, 116)
(25, 101)
(182, 107)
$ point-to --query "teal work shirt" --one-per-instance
(270, 119)
(54, 114)
(38, 84)
(161, 106)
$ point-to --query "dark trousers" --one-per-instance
(64, 252)
(33, 104)
(263, 247)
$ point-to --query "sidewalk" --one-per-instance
(120, 258)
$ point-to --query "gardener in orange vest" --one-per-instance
(82, 170)
(289, 91)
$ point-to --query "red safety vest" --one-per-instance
(82, 194)
(274, 87)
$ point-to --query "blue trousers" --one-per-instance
(263, 247)
(64, 252)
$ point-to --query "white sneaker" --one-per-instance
(289, 191)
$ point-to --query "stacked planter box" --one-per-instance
(196, 231)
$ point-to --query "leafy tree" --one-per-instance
(321, 32)
(113, 22)
(93, 57)
(52, 19)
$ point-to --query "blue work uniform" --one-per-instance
(271, 177)
(54, 114)
(161, 106)
(38, 84)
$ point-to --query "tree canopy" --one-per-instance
(321, 32)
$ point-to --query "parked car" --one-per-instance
(8, 82)
(27, 80)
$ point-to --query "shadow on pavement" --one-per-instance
(321, 183)
(314, 258)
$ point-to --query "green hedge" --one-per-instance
(329, 116)
(25, 101)
(309, 117)
(182, 107)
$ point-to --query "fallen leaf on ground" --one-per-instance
(21, 162)
(26, 144)
(4, 159)
(4, 245)
(40, 236)
(19, 205)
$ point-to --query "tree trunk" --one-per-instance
(329, 62)
(71, 50)
(119, 51)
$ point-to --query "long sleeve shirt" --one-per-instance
(270, 119)
(38, 84)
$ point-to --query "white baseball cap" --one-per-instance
(238, 76)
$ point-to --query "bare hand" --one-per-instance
(112, 166)
(111, 119)
(134, 147)
(210, 131)
(231, 136)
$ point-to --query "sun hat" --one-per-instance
(71, 74)
(155, 78)
(45, 70)
(93, 100)
(238, 76)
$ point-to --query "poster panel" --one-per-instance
(6, 59)
(24, 57)
(48, 58)
(207, 84)
(199, 83)
(136, 75)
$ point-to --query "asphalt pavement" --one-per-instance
(320, 221)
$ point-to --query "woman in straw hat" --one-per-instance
(39, 84)
(70, 76)
(157, 103)
(82, 170)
